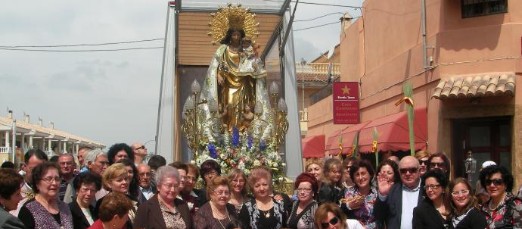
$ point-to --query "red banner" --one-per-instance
(345, 103)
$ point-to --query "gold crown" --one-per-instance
(232, 17)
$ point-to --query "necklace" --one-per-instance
(265, 213)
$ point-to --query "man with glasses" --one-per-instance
(67, 166)
(140, 152)
(394, 207)
(144, 181)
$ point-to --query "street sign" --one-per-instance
(346, 103)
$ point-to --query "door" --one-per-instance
(487, 138)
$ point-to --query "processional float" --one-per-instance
(218, 120)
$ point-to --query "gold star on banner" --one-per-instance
(346, 90)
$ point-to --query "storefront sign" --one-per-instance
(345, 103)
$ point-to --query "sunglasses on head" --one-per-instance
(332, 222)
(411, 170)
(495, 182)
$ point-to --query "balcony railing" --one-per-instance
(4, 149)
(318, 68)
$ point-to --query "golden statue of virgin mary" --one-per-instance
(236, 76)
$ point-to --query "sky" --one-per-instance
(109, 96)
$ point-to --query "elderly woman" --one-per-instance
(331, 189)
(164, 210)
(216, 213)
(433, 211)
(262, 211)
(359, 199)
(10, 184)
(238, 195)
(46, 210)
(116, 179)
(303, 209)
(465, 214)
(503, 209)
(114, 211)
(86, 185)
(330, 216)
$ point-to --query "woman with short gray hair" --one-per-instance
(164, 210)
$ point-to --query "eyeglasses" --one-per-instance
(495, 182)
(437, 164)
(305, 190)
(332, 222)
(145, 174)
(171, 186)
(221, 192)
(141, 147)
(432, 186)
(423, 162)
(461, 192)
(51, 179)
(411, 170)
(66, 163)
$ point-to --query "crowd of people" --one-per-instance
(117, 189)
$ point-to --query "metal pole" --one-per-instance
(13, 146)
(424, 35)
(161, 81)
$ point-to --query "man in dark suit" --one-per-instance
(395, 204)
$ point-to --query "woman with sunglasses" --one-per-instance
(503, 209)
(330, 216)
(439, 161)
(359, 200)
(423, 157)
(465, 213)
(434, 210)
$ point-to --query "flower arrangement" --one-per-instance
(239, 150)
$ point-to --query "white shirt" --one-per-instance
(410, 199)
(353, 224)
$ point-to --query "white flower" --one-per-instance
(256, 163)
(283, 164)
(222, 156)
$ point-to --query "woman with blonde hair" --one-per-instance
(330, 216)
(263, 211)
(238, 188)
(331, 189)
(314, 166)
(116, 179)
(423, 157)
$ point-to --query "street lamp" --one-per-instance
(471, 165)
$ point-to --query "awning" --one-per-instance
(347, 135)
(313, 146)
(332, 145)
(491, 84)
(393, 132)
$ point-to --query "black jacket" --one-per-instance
(389, 212)
(79, 219)
(425, 216)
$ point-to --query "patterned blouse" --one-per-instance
(252, 217)
(508, 212)
(303, 220)
(172, 218)
(364, 214)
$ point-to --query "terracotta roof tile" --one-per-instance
(490, 84)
